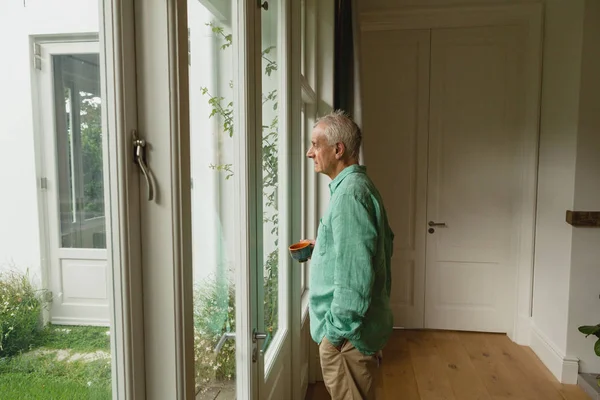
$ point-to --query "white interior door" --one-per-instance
(396, 89)
(477, 129)
(73, 181)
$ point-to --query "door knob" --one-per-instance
(431, 223)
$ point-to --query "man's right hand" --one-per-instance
(312, 244)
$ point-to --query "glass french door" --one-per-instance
(213, 115)
(146, 151)
(238, 168)
(69, 293)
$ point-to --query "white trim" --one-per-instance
(163, 114)
(297, 194)
(245, 30)
(530, 16)
(522, 331)
(80, 321)
(117, 38)
(181, 208)
(304, 307)
(564, 368)
(308, 94)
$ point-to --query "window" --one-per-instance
(78, 120)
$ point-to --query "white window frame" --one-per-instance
(309, 105)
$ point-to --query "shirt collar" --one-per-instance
(345, 172)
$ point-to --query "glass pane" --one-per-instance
(55, 269)
(78, 117)
(303, 187)
(214, 175)
(271, 52)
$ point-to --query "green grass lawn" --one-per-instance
(65, 362)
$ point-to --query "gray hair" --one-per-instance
(339, 127)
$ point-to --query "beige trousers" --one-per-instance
(348, 374)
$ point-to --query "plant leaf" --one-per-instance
(588, 330)
(597, 347)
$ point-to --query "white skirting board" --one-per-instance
(589, 384)
(563, 368)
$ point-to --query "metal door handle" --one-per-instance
(262, 336)
(256, 336)
(259, 336)
(139, 157)
(226, 335)
(431, 223)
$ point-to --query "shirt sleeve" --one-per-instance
(354, 230)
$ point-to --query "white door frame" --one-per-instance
(529, 15)
(117, 38)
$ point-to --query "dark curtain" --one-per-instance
(344, 68)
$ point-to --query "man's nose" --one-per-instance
(309, 153)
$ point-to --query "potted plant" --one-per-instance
(594, 330)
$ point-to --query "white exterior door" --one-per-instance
(475, 131)
(72, 182)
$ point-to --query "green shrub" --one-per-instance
(214, 314)
(20, 309)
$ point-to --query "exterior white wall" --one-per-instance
(19, 230)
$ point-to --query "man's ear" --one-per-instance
(340, 149)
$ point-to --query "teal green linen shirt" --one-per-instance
(350, 271)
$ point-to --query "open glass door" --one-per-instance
(63, 111)
(239, 173)
(215, 172)
(273, 160)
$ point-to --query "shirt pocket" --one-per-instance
(323, 238)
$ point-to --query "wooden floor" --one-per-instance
(434, 365)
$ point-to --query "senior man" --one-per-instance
(350, 275)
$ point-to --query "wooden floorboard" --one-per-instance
(436, 365)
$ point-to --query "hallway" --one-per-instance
(434, 365)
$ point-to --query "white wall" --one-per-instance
(584, 302)
(556, 176)
(19, 228)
